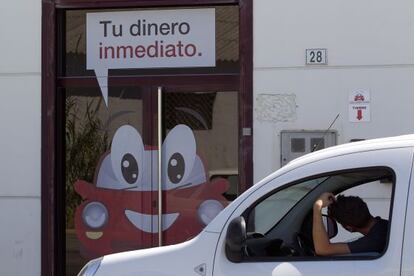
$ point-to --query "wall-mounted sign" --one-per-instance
(359, 106)
(316, 57)
(149, 39)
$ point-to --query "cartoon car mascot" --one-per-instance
(119, 211)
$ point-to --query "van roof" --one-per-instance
(371, 144)
(348, 148)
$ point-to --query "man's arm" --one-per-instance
(321, 241)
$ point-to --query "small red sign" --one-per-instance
(359, 98)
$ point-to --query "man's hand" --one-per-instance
(323, 246)
(324, 200)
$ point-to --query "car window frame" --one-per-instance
(247, 211)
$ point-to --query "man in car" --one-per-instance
(353, 214)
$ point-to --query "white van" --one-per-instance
(267, 230)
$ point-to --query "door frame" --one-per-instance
(52, 229)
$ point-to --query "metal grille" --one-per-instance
(297, 145)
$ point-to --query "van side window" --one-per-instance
(269, 211)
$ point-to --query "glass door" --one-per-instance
(199, 158)
(110, 189)
(115, 156)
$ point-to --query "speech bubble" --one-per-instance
(149, 39)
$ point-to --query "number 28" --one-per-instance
(316, 56)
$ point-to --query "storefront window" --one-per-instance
(227, 46)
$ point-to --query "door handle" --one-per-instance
(159, 126)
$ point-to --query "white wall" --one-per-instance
(370, 46)
(20, 117)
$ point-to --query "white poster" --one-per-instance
(149, 39)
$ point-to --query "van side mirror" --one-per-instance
(236, 237)
(330, 225)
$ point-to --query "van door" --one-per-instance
(288, 199)
(407, 267)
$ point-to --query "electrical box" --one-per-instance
(295, 143)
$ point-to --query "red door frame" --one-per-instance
(52, 229)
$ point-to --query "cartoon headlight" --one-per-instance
(95, 215)
(208, 210)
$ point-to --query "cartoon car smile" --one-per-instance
(120, 212)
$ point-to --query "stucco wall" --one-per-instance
(20, 118)
(369, 46)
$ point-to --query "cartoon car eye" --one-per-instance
(179, 153)
(95, 215)
(127, 152)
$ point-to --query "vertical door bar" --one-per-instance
(159, 123)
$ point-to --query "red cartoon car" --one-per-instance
(119, 210)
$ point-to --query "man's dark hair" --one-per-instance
(350, 210)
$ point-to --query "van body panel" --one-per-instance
(398, 159)
(179, 259)
(407, 266)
